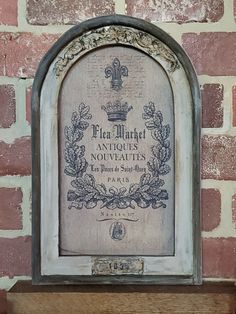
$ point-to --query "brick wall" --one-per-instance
(205, 28)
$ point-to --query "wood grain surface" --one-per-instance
(208, 299)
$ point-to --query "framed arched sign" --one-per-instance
(115, 129)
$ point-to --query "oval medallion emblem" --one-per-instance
(117, 231)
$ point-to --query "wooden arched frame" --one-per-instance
(184, 267)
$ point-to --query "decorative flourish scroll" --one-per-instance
(147, 192)
(116, 35)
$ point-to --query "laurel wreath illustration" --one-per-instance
(147, 192)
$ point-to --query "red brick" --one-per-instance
(28, 104)
(15, 159)
(180, 11)
(211, 208)
(15, 256)
(219, 257)
(234, 105)
(43, 12)
(21, 53)
(219, 157)
(212, 111)
(8, 12)
(3, 302)
(10, 208)
(212, 53)
(7, 106)
(234, 209)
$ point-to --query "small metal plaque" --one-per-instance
(117, 266)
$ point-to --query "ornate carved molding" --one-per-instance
(116, 35)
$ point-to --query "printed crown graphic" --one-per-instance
(117, 111)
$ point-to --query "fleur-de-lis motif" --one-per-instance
(116, 71)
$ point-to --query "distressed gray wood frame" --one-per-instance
(38, 278)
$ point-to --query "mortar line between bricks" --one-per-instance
(26, 208)
(19, 9)
(170, 27)
(219, 131)
(21, 105)
(14, 132)
(227, 108)
(208, 183)
(11, 234)
(4, 80)
(219, 279)
(228, 12)
(36, 29)
(14, 181)
(218, 234)
(120, 6)
(227, 224)
(175, 28)
(22, 13)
